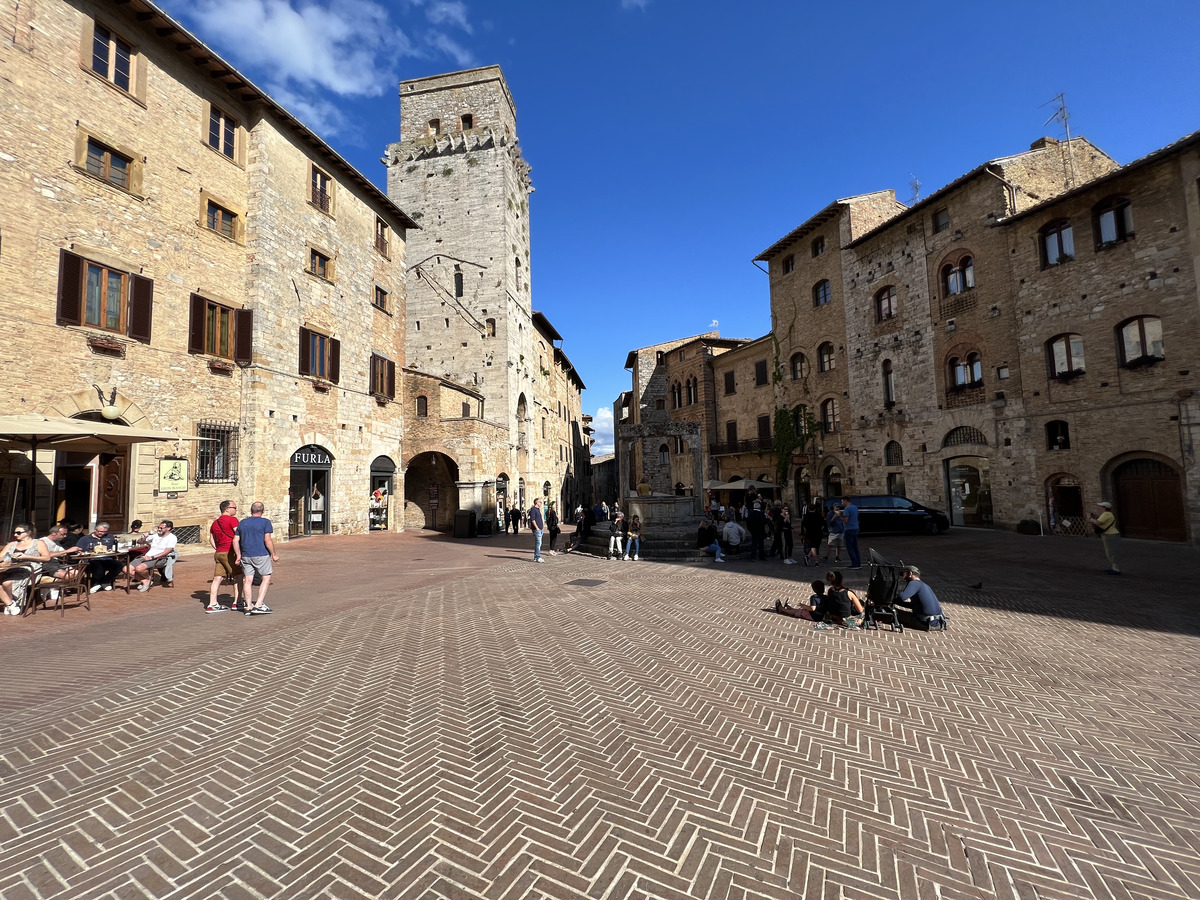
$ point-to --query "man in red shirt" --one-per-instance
(222, 531)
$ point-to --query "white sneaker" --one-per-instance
(108, 587)
(53, 593)
(625, 558)
(636, 558)
(96, 588)
(720, 559)
(13, 609)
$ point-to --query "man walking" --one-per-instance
(538, 525)
(1105, 525)
(254, 549)
(224, 531)
(850, 518)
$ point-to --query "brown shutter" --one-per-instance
(141, 307)
(305, 365)
(70, 289)
(335, 360)
(391, 379)
(371, 370)
(196, 313)
(243, 339)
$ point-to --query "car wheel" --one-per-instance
(931, 527)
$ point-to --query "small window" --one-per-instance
(459, 287)
(789, 264)
(821, 293)
(799, 366)
(825, 357)
(222, 131)
(968, 372)
(893, 454)
(112, 58)
(218, 330)
(1058, 435)
(220, 220)
(731, 437)
(660, 403)
(941, 221)
(729, 385)
(680, 446)
(889, 384)
(382, 377)
(1065, 355)
(760, 373)
(321, 194)
(692, 391)
(1141, 341)
(829, 416)
(543, 426)
(886, 304)
(422, 407)
(664, 455)
(319, 355)
(383, 236)
(958, 277)
(490, 325)
(106, 297)
(435, 127)
(764, 428)
(381, 299)
(108, 164)
(1114, 221)
(1058, 243)
(676, 395)
(467, 121)
(466, 409)
(319, 264)
(517, 266)
(818, 246)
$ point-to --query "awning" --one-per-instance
(30, 433)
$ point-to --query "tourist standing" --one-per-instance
(850, 517)
(254, 549)
(1105, 525)
(223, 530)
(537, 524)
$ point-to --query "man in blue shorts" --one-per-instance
(254, 549)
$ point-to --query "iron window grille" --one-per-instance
(217, 457)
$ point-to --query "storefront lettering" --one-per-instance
(315, 457)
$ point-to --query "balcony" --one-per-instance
(757, 445)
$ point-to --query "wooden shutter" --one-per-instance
(196, 314)
(391, 379)
(141, 307)
(243, 338)
(70, 289)
(335, 360)
(305, 365)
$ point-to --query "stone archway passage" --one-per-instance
(1149, 502)
(430, 491)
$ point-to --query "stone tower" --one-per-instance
(458, 167)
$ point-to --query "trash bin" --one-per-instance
(464, 523)
(485, 527)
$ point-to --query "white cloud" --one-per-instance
(714, 325)
(453, 12)
(634, 4)
(451, 48)
(602, 422)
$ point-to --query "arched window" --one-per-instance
(964, 434)
(1058, 435)
(958, 276)
(889, 384)
(820, 292)
(1114, 221)
(825, 357)
(692, 390)
(435, 126)
(893, 454)
(886, 304)
(799, 366)
(829, 416)
(664, 455)
(968, 372)
(1058, 243)
(491, 327)
(676, 395)
(1141, 341)
(422, 407)
(1064, 355)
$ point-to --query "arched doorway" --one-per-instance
(832, 481)
(1064, 505)
(308, 491)
(1149, 501)
(383, 477)
(501, 498)
(430, 491)
(968, 479)
(91, 487)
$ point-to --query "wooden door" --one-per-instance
(114, 489)
(1149, 502)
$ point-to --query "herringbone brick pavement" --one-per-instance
(451, 721)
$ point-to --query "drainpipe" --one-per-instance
(1009, 186)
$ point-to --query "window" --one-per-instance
(320, 355)
(112, 58)
(319, 264)
(1058, 435)
(820, 293)
(382, 237)
(825, 357)
(108, 165)
(218, 330)
(1065, 355)
(818, 246)
(664, 455)
(1058, 243)
(893, 454)
(222, 131)
(220, 220)
(381, 377)
(217, 454)
(799, 366)
(435, 127)
(381, 299)
(1141, 341)
(467, 121)
(764, 428)
(490, 325)
(958, 276)
(422, 407)
(660, 403)
(517, 264)
(459, 287)
(1114, 221)
(676, 395)
(731, 434)
(829, 416)
(963, 435)
(789, 264)
(104, 297)
(729, 386)
(466, 414)
(322, 190)
(941, 221)
(886, 304)
(968, 372)
(889, 384)
(691, 385)
(760, 373)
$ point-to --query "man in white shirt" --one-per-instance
(735, 537)
(160, 556)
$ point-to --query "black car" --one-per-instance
(878, 513)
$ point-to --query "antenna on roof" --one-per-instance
(915, 184)
(1061, 115)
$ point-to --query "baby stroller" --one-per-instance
(882, 592)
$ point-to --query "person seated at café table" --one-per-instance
(23, 556)
(160, 556)
(74, 532)
(135, 536)
(103, 570)
(60, 566)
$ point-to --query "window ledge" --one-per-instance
(384, 310)
(382, 399)
(203, 226)
(313, 275)
(1143, 362)
(112, 87)
(104, 181)
(324, 212)
(109, 346)
(220, 153)
(321, 386)
(220, 366)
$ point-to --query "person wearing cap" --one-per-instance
(1105, 525)
(919, 599)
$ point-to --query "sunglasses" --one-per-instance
(20, 531)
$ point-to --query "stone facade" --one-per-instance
(458, 167)
(177, 243)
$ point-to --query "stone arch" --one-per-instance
(1147, 495)
(430, 491)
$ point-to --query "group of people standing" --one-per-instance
(760, 520)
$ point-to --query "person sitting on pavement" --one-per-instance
(103, 571)
(814, 609)
(159, 556)
(25, 554)
(843, 608)
(919, 600)
(706, 539)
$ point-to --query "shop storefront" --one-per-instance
(308, 491)
(383, 482)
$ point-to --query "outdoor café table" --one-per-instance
(121, 557)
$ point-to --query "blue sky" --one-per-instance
(673, 140)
